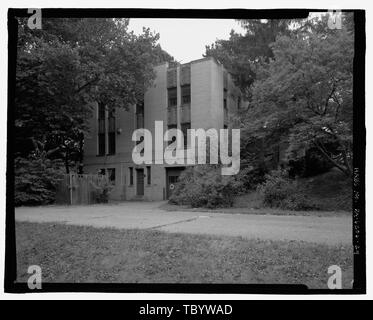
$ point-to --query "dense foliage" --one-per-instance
(36, 179)
(204, 186)
(278, 191)
(298, 77)
(65, 68)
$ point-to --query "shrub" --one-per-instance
(36, 180)
(103, 189)
(252, 177)
(278, 191)
(204, 186)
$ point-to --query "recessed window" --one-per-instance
(111, 175)
(131, 176)
(149, 175)
(111, 132)
(169, 127)
(138, 142)
(184, 129)
(172, 97)
(101, 130)
(185, 94)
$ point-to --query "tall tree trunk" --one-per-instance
(346, 170)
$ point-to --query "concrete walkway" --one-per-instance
(148, 215)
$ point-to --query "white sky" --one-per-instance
(185, 39)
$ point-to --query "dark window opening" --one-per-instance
(111, 146)
(101, 144)
(185, 94)
(173, 102)
(172, 97)
(138, 142)
(101, 129)
(111, 132)
(148, 175)
(102, 172)
(184, 129)
(169, 127)
(101, 111)
(186, 99)
(131, 176)
(111, 174)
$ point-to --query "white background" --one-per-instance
(221, 4)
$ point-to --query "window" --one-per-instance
(184, 129)
(172, 97)
(111, 175)
(148, 175)
(101, 129)
(186, 99)
(131, 176)
(169, 127)
(102, 172)
(111, 146)
(101, 144)
(138, 142)
(185, 94)
(111, 132)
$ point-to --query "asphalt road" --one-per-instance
(148, 215)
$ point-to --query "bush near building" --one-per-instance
(278, 191)
(35, 180)
(204, 186)
(328, 191)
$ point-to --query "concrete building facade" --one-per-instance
(199, 94)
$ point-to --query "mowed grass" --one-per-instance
(85, 254)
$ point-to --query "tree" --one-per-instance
(66, 67)
(303, 96)
(241, 54)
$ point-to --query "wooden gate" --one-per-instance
(75, 189)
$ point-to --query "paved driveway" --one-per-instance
(147, 215)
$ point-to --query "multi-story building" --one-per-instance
(199, 94)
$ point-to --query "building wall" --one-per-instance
(201, 113)
(207, 83)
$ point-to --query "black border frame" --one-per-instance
(359, 133)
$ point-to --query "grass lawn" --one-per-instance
(85, 254)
